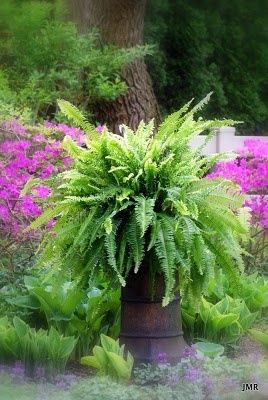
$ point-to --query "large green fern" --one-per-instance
(143, 194)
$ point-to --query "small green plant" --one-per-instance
(109, 359)
(253, 289)
(223, 322)
(209, 349)
(47, 349)
(72, 311)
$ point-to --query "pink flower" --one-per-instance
(250, 171)
(4, 213)
(100, 128)
(29, 207)
(42, 191)
(39, 138)
(15, 127)
(47, 171)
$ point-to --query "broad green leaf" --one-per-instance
(223, 321)
(109, 344)
(101, 357)
(119, 365)
(91, 361)
(209, 349)
(205, 310)
(21, 328)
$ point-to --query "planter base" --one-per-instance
(151, 350)
(147, 328)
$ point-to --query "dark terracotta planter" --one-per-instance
(147, 328)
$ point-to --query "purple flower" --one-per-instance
(61, 385)
(29, 155)
(162, 358)
(29, 207)
(230, 383)
(189, 351)
(42, 191)
(18, 370)
(47, 171)
(250, 171)
(100, 128)
(39, 138)
(15, 126)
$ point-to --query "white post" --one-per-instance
(226, 139)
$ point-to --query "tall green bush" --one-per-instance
(42, 58)
(206, 45)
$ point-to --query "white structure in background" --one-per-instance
(224, 141)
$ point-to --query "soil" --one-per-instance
(74, 367)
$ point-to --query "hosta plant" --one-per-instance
(209, 349)
(141, 195)
(223, 322)
(36, 349)
(108, 359)
(70, 311)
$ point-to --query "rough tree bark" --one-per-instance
(121, 23)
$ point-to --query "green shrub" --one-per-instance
(223, 322)
(71, 310)
(43, 58)
(206, 45)
(253, 289)
(34, 348)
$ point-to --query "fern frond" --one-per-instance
(77, 117)
(144, 211)
(145, 131)
(165, 250)
(136, 242)
(122, 251)
(110, 246)
(201, 103)
(73, 150)
(188, 228)
(155, 226)
(172, 122)
(47, 215)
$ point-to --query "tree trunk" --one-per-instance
(121, 23)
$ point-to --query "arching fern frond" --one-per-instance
(165, 250)
(111, 247)
(77, 117)
(144, 211)
(136, 242)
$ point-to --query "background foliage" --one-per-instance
(207, 45)
(43, 58)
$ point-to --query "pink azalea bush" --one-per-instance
(32, 152)
(250, 171)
